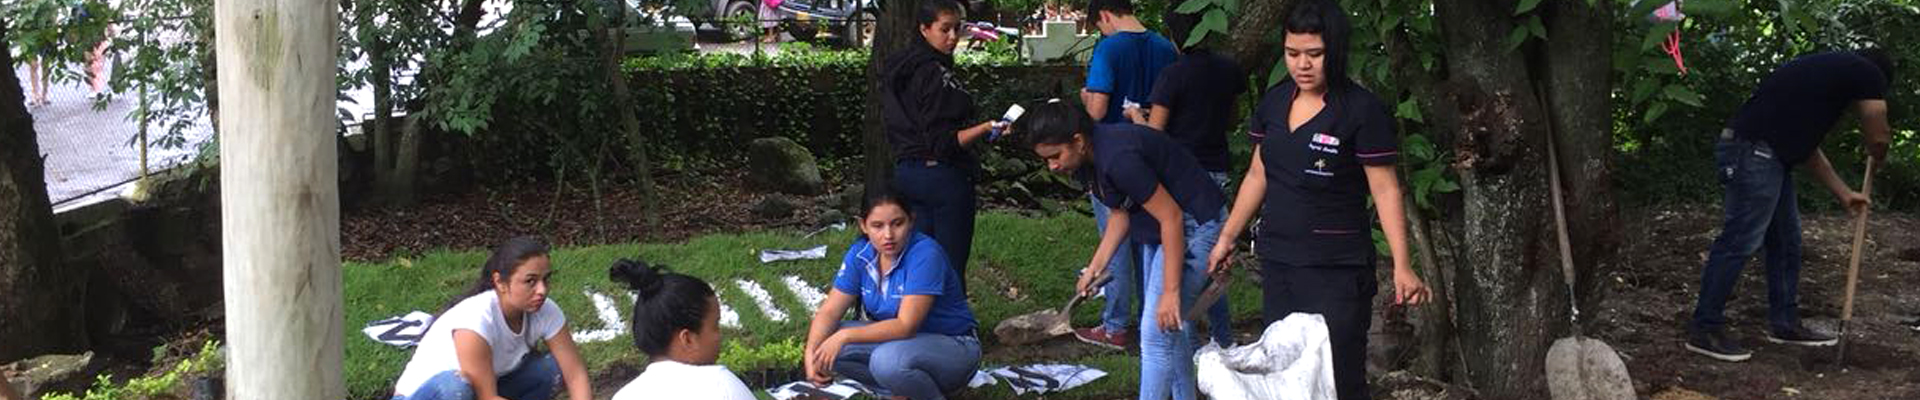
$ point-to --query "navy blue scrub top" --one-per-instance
(1315, 212)
(1129, 161)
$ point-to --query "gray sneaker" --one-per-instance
(1799, 334)
(1715, 343)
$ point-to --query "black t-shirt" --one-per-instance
(1201, 89)
(1315, 212)
(1794, 107)
(924, 107)
(1129, 161)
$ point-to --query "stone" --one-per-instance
(851, 197)
(775, 207)
(830, 217)
(784, 166)
(44, 372)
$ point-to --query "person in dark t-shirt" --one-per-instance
(1780, 127)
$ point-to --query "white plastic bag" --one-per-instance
(1293, 360)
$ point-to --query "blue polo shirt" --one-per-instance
(921, 270)
(1130, 160)
(1315, 212)
(1125, 65)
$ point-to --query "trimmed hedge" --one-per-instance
(699, 111)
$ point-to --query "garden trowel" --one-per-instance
(1043, 324)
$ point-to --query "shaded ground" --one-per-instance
(1651, 297)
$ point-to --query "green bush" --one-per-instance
(165, 386)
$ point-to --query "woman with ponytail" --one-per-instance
(481, 347)
(676, 322)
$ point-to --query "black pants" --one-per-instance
(942, 202)
(1344, 295)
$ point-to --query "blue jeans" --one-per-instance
(1760, 210)
(536, 378)
(1219, 317)
(925, 366)
(942, 201)
(1118, 314)
(1166, 357)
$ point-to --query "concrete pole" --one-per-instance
(279, 198)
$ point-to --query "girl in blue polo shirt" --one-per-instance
(1322, 145)
(1163, 201)
(918, 341)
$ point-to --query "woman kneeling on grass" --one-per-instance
(676, 322)
(482, 346)
(919, 343)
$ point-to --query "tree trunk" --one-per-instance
(1578, 91)
(1508, 291)
(1254, 34)
(39, 308)
(622, 98)
(896, 31)
(279, 199)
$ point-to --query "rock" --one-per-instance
(1680, 393)
(44, 372)
(775, 207)
(850, 198)
(782, 165)
(830, 217)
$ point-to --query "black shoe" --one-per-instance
(1913, 324)
(1800, 335)
(1715, 343)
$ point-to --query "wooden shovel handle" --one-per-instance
(1859, 241)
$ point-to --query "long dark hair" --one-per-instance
(665, 303)
(1324, 17)
(879, 194)
(1053, 122)
(506, 258)
(930, 11)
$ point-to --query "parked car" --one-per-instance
(851, 21)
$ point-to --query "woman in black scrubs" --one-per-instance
(925, 112)
(1322, 145)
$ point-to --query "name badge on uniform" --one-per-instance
(1325, 144)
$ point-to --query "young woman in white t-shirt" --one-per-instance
(676, 322)
(483, 347)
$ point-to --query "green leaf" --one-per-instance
(1193, 6)
(1278, 75)
(1644, 89)
(1657, 35)
(1408, 110)
(1214, 21)
(1525, 6)
(1446, 186)
(1655, 111)
(1680, 93)
(1418, 148)
(1539, 30)
(1516, 38)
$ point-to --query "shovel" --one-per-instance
(1853, 267)
(1211, 294)
(1578, 367)
(1043, 324)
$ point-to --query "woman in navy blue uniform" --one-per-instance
(1322, 145)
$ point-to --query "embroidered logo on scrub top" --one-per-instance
(1320, 168)
(1325, 143)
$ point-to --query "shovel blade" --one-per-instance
(1580, 368)
(1032, 328)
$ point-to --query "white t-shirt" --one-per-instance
(674, 380)
(481, 315)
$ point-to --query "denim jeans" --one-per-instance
(536, 379)
(1219, 317)
(1166, 357)
(1118, 314)
(941, 198)
(1760, 210)
(925, 366)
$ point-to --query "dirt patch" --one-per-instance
(608, 381)
(1651, 296)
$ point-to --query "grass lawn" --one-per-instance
(1020, 264)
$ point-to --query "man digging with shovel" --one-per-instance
(1779, 127)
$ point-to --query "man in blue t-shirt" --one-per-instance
(1780, 127)
(1125, 65)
